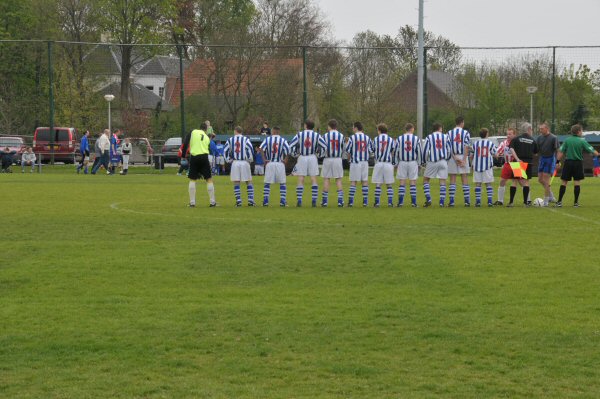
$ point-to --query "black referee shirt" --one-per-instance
(525, 146)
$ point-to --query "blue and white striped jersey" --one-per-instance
(305, 142)
(483, 152)
(275, 148)
(459, 139)
(436, 147)
(331, 144)
(408, 148)
(384, 148)
(239, 148)
(358, 147)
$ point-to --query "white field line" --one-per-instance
(573, 216)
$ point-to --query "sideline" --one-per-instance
(572, 216)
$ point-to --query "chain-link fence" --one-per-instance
(162, 91)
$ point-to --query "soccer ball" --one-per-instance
(538, 202)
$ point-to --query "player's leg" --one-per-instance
(478, 194)
(426, 190)
(442, 192)
(452, 185)
(466, 188)
(390, 195)
(340, 191)
(250, 188)
(401, 192)
(377, 195)
(413, 193)
(354, 177)
(365, 182)
(501, 190)
(576, 192)
(351, 193)
(325, 194)
(314, 187)
(561, 192)
(299, 190)
(490, 193)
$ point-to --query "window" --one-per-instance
(161, 92)
(151, 88)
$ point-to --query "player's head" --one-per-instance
(510, 133)
(107, 132)
(576, 130)
(382, 128)
(203, 126)
(265, 124)
(526, 128)
(207, 123)
(357, 127)
(483, 133)
(437, 127)
(275, 130)
(460, 121)
(238, 130)
(409, 128)
(309, 124)
(545, 128)
(332, 125)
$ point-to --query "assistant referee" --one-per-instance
(199, 143)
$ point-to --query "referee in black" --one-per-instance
(522, 148)
(199, 144)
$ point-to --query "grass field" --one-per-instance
(111, 288)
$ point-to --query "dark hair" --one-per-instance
(459, 120)
(332, 123)
(483, 133)
(575, 129)
(203, 126)
(310, 125)
(238, 129)
(437, 126)
(358, 125)
(409, 126)
(276, 128)
(382, 127)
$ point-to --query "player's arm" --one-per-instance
(186, 145)
(227, 152)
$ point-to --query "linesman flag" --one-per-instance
(519, 169)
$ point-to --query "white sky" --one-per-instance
(473, 22)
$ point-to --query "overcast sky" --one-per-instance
(473, 22)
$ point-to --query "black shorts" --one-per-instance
(529, 170)
(572, 169)
(199, 166)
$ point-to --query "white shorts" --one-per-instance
(211, 159)
(259, 170)
(240, 171)
(332, 168)
(275, 173)
(437, 170)
(359, 171)
(307, 165)
(383, 173)
(487, 176)
(408, 170)
(220, 160)
(454, 169)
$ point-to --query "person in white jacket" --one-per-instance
(126, 149)
(104, 146)
(28, 159)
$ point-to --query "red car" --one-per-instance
(14, 144)
(64, 143)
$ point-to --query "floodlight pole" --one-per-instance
(109, 98)
(420, 67)
(531, 90)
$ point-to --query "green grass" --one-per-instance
(111, 288)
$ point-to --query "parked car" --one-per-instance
(64, 143)
(170, 150)
(14, 144)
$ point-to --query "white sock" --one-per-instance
(210, 187)
(552, 197)
(192, 190)
(501, 190)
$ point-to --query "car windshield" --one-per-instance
(10, 142)
(173, 141)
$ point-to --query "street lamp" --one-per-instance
(531, 90)
(109, 98)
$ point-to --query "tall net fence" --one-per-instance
(162, 91)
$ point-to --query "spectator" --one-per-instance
(115, 156)
(103, 144)
(209, 130)
(265, 130)
(259, 163)
(97, 153)
(126, 149)
(184, 164)
(7, 159)
(84, 148)
(28, 159)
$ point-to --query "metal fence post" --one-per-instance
(51, 98)
(425, 100)
(181, 92)
(553, 90)
(305, 94)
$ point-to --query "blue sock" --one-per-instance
(427, 192)
(452, 192)
(390, 194)
(238, 194)
(351, 195)
(251, 193)
(340, 196)
(401, 193)
(325, 197)
(490, 193)
(315, 193)
(299, 193)
(467, 193)
(442, 194)
(282, 193)
(365, 193)
(266, 193)
(413, 193)
(377, 194)
(478, 194)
